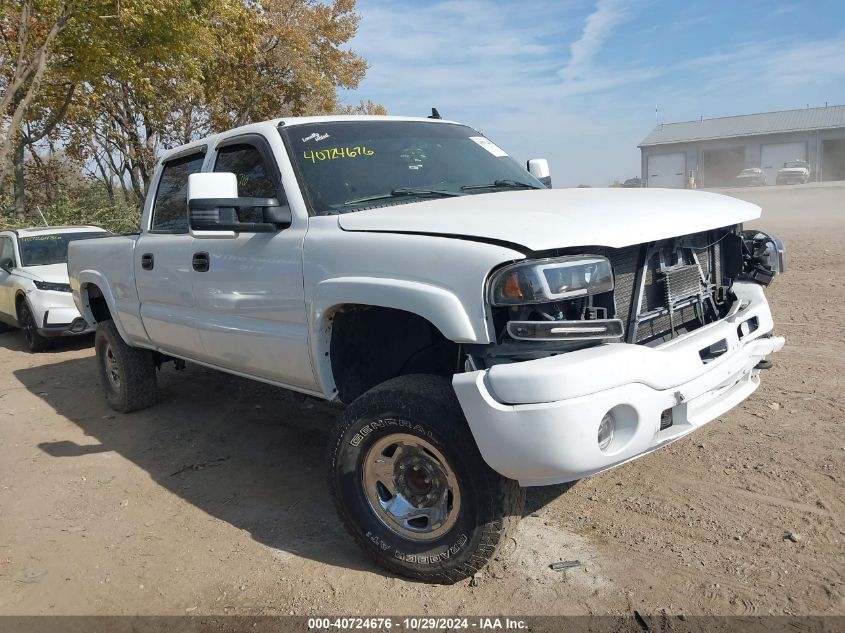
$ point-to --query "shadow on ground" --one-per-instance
(247, 453)
(12, 340)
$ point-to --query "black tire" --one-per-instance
(484, 508)
(34, 342)
(127, 374)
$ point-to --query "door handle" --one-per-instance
(147, 261)
(200, 262)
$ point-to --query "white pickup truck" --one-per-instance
(486, 332)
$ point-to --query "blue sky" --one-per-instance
(578, 81)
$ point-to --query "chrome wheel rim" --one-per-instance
(411, 487)
(112, 368)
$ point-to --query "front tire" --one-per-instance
(35, 343)
(411, 487)
(127, 374)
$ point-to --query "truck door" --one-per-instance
(163, 273)
(250, 299)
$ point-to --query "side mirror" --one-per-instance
(539, 168)
(216, 210)
(7, 264)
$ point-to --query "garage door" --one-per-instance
(772, 157)
(667, 170)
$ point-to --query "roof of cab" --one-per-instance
(291, 121)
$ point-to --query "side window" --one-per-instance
(255, 180)
(170, 213)
(7, 249)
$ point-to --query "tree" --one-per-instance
(110, 83)
(27, 40)
(295, 67)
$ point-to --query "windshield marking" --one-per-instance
(316, 136)
(337, 152)
(489, 145)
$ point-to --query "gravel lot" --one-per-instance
(215, 500)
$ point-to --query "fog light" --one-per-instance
(606, 431)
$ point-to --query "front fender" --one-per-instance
(438, 306)
(124, 310)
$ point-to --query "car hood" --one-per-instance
(793, 170)
(559, 218)
(54, 273)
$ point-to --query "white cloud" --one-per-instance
(544, 79)
(598, 27)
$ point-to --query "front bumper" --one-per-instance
(537, 421)
(56, 314)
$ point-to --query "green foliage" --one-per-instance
(60, 192)
(94, 207)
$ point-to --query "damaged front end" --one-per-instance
(645, 294)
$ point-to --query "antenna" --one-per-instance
(434, 114)
(38, 207)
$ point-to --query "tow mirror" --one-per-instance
(7, 264)
(539, 168)
(216, 210)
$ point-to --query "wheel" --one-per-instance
(34, 341)
(411, 487)
(127, 374)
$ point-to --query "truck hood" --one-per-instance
(54, 273)
(559, 218)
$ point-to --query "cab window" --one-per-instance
(170, 210)
(255, 180)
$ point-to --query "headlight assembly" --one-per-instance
(550, 280)
(48, 285)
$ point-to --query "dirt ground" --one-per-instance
(215, 501)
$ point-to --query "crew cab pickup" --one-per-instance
(487, 332)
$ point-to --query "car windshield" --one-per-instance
(795, 163)
(748, 172)
(347, 166)
(50, 248)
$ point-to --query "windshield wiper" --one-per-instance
(503, 184)
(404, 191)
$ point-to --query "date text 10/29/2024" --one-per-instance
(416, 624)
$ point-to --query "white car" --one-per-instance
(793, 171)
(34, 291)
(486, 331)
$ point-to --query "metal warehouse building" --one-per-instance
(714, 151)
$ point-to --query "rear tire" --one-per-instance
(411, 487)
(127, 374)
(34, 342)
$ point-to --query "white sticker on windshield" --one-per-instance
(489, 145)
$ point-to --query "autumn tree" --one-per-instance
(113, 82)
